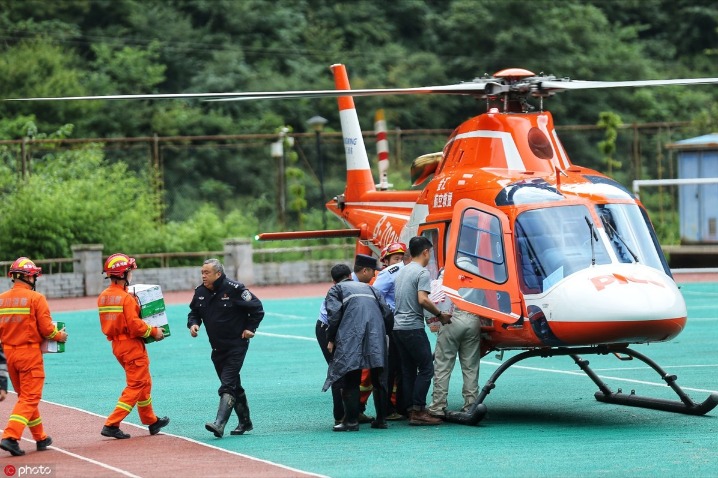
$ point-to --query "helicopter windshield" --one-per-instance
(629, 234)
(553, 243)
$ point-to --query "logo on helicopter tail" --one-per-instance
(384, 231)
(601, 282)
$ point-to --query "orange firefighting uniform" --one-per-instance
(24, 322)
(121, 323)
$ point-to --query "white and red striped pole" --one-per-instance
(382, 149)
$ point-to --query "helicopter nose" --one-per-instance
(626, 303)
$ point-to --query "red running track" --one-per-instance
(80, 451)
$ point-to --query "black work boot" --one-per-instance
(158, 425)
(350, 398)
(226, 402)
(114, 432)
(43, 444)
(242, 409)
(11, 445)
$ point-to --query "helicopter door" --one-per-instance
(436, 233)
(480, 272)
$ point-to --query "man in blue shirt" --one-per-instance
(392, 256)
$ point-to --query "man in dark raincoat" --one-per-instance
(358, 323)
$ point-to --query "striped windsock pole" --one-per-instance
(382, 149)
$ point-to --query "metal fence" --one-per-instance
(239, 171)
(176, 259)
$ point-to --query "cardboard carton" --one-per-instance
(152, 306)
(53, 346)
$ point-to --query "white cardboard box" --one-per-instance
(53, 346)
(152, 306)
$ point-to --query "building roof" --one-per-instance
(707, 141)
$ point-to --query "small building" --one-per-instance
(698, 203)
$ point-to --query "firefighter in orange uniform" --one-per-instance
(24, 322)
(121, 323)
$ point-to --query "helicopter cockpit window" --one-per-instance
(529, 191)
(480, 249)
(553, 243)
(629, 234)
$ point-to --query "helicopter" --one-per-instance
(556, 259)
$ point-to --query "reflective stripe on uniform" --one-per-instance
(110, 308)
(124, 406)
(144, 403)
(53, 334)
(149, 331)
(15, 311)
(346, 299)
(35, 422)
(19, 419)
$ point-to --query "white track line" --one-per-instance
(281, 336)
(664, 367)
(539, 369)
(84, 458)
(295, 470)
(289, 316)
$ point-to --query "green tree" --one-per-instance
(609, 122)
(74, 197)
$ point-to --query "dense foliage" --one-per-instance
(97, 47)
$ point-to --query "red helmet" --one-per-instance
(25, 266)
(391, 249)
(117, 264)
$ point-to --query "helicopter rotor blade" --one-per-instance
(567, 84)
(469, 88)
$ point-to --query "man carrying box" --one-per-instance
(24, 322)
(121, 323)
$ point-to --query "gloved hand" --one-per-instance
(157, 333)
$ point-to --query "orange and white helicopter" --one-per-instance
(556, 259)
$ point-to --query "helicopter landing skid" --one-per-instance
(477, 412)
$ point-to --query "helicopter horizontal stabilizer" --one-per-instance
(321, 234)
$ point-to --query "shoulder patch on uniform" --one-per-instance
(246, 295)
(394, 268)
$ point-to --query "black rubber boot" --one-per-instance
(350, 399)
(11, 445)
(226, 402)
(242, 409)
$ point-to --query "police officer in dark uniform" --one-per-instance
(231, 314)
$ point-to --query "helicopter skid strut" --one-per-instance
(477, 412)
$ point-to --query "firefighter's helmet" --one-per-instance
(117, 264)
(24, 266)
(391, 249)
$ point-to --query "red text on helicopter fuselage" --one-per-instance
(601, 282)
